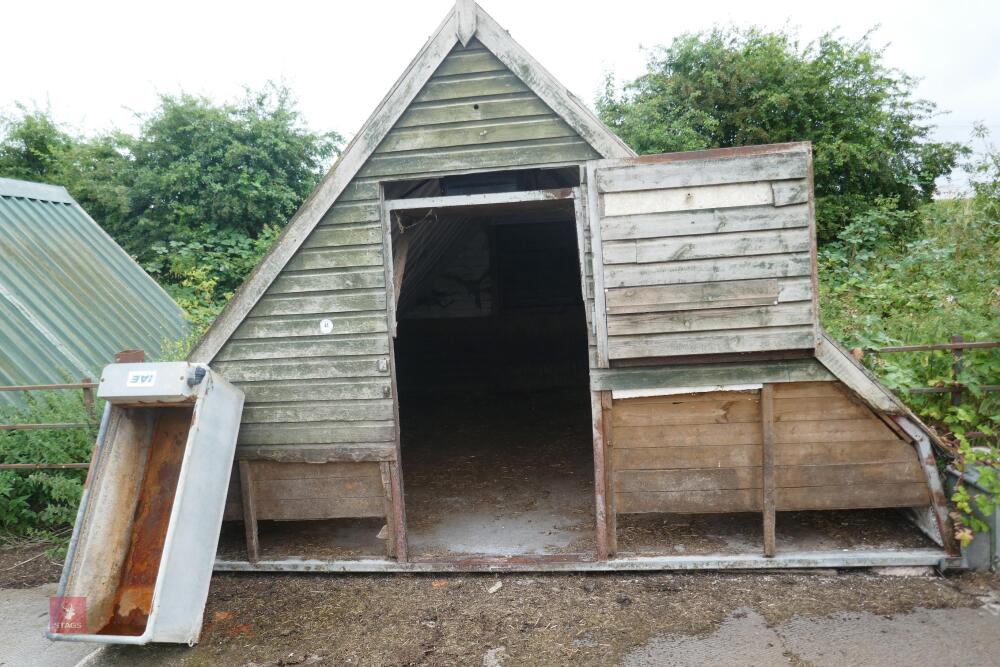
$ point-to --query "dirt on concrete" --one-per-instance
(527, 620)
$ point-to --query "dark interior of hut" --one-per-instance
(492, 372)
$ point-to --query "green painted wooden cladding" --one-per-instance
(305, 387)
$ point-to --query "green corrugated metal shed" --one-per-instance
(70, 297)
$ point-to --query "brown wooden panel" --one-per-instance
(690, 502)
(857, 496)
(662, 458)
(873, 451)
(807, 389)
(318, 488)
(273, 470)
(690, 479)
(734, 408)
(846, 430)
(687, 435)
(846, 474)
(320, 508)
(819, 408)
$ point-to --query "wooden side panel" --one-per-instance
(295, 491)
(710, 255)
(313, 355)
(702, 453)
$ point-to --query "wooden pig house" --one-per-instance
(496, 338)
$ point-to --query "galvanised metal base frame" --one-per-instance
(575, 563)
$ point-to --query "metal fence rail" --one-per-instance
(87, 386)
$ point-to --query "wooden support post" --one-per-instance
(88, 396)
(609, 475)
(249, 511)
(767, 462)
(600, 476)
(390, 521)
(956, 369)
(402, 250)
(398, 510)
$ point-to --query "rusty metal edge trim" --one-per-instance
(782, 561)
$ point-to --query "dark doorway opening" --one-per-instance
(492, 372)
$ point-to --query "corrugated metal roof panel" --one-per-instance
(70, 297)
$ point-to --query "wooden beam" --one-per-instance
(399, 265)
(487, 199)
(612, 513)
(249, 511)
(398, 511)
(385, 472)
(600, 475)
(467, 19)
(767, 430)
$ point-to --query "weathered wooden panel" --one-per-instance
(700, 271)
(513, 106)
(330, 258)
(325, 280)
(677, 248)
(687, 223)
(689, 173)
(859, 496)
(665, 458)
(351, 212)
(698, 296)
(707, 408)
(308, 325)
(690, 502)
(480, 84)
(840, 430)
(257, 370)
(746, 340)
(728, 319)
(317, 390)
(819, 453)
(334, 302)
(318, 508)
(687, 435)
(686, 199)
(468, 62)
(281, 348)
(787, 193)
(313, 411)
(476, 133)
(708, 375)
(283, 433)
(325, 236)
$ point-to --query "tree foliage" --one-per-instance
(196, 195)
(736, 87)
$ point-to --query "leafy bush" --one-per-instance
(42, 503)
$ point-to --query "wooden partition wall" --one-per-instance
(787, 446)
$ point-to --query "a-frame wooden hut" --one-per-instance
(485, 243)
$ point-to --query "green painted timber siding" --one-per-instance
(307, 388)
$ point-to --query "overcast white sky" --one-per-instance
(94, 63)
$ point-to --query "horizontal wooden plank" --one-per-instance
(660, 458)
(687, 435)
(303, 510)
(707, 374)
(495, 156)
(858, 496)
(274, 470)
(312, 302)
(313, 411)
(819, 408)
(787, 193)
(680, 248)
(689, 479)
(328, 236)
(686, 199)
(697, 296)
(359, 190)
(352, 212)
(845, 430)
(715, 221)
(717, 319)
(819, 453)
(789, 390)
(685, 173)
(475, 133)
(316, 433)
(466, 62)
(323, 280)
(470, 86)
(847, 474)
(505, 106)
(258, 370)
(639, 412)
(708, 270)
(711, 342)
(309, 325)
(317, 390)
(317, 454)
(689, 502)
(281, 348)
(332, 258)
(318, 489)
